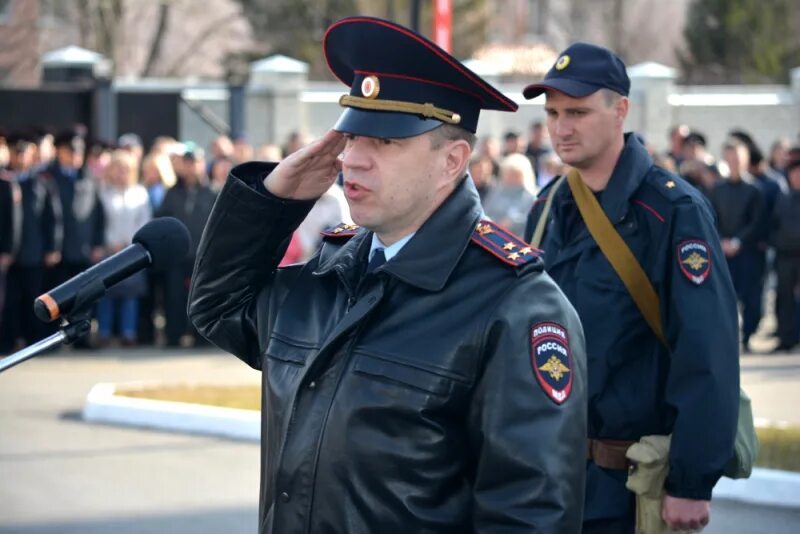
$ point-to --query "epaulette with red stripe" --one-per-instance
(342, 230)
(503, 245)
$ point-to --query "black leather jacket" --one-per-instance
(400, 401)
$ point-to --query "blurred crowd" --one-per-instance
(67, 202)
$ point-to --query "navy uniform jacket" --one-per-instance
(636, 386)
(79, 213)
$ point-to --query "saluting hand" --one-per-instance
(309, 172)
(685, 514)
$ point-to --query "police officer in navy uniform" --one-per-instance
(637, 386)
(421, 373)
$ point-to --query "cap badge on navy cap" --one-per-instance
(370, 87)
(562, 62)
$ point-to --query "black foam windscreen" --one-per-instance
(166, 239)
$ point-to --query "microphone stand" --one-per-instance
(75, 325)
(68, 333)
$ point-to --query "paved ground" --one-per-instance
(59, 475)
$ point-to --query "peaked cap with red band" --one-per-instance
(402, 84)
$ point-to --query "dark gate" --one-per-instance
(148, 115)
(57, 108)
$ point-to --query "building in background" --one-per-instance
(143, 38)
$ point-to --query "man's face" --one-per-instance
(737, 158)
(193, 168)
(794, 178)
(583, 129)
(393, 185)
(511, 145)
(537, 135)
(23, 159)
(69, 157)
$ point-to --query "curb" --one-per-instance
(104, 406)
(770, 487)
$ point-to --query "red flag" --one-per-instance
(443, 23)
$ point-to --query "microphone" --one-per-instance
(160, 243)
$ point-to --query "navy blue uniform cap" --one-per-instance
(402, 84)
(581, 70)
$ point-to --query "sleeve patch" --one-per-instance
(694, 259)
(342, 230)
(503, 244)
(551, 360)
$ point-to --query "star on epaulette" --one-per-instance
(342, 230)
(503, 245)
(670, 184)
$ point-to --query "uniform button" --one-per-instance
(285, 497)
(312, 385)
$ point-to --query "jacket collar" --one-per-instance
(629, 172)
(432, 254)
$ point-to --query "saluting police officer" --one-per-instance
(637, 385)
(421, 373)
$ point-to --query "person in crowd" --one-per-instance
(480, 170)
(700, 175)
(269, 152)
(157, 176)
(785, 237)
(127, 209)
(552, 166)
(219, 173)
(221, 147)
(509, 202)
(739, 205)
(294, 142)
(45, 149)
(537, 149)
(489, 148)
(670, 368)
(695, 149)
(9, 189)
(4, 157)
(779, 156)
(153, 178)
(677, 136)
(242, 150)
(30, 247)
(98, 155)
(132, 143)
(189, 201)
(80, 218)
(408, 366)
(511, 143)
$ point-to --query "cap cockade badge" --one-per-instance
(370, 87)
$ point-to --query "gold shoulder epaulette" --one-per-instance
(341, 230)
(503, 245)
